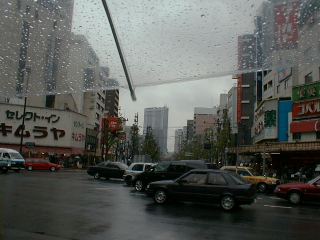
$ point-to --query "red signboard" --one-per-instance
(113, 124)
(239, 99)
(305, 126)
(286, 24)
(306, 109)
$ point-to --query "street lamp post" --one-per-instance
(27, 71)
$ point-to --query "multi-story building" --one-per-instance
(232, 109)
(189, 130)
(178, 140)
(36, 56)
(306, 97)
(157, 119)
(204, 119)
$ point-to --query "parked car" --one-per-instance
(263, 183)
(298, 192)
(16, 160)
(167, 170)
(209, 186)
(41, 164)
(107, 170)
(134, 169)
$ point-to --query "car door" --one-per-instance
(160, 173)
(191, 187)
(42, 165)
(217, 185)
(117, 171)
(312, 191)
(111, 170)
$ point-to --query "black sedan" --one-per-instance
(208, 186)
(107, 170)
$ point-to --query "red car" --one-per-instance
(297, 192)
(41, 164)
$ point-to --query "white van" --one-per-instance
(17, 161)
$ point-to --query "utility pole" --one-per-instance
(27, 71)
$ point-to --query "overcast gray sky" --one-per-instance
(169, 41)
(180, 98)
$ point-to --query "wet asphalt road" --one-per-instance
(71, 205)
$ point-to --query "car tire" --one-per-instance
(262, 187)
(52, 169)
(228, 203)
(96, 176)
(138, 185)
(29, 168)
(294, 198)
(160, 196)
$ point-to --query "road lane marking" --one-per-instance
(275, 198)
(103, 189)
(274, 206)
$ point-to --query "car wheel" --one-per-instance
(227, 203)
(160, 196)
(96, 176)
(29, 168)
(262, 187)
(138, 185)
(294, 197)
(52, 169)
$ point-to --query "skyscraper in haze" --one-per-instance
(157, 119)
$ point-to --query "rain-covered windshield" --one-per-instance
(58, 46)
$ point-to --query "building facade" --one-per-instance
(157, 119)
(204, 118)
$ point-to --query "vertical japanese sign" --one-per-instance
(286, 24)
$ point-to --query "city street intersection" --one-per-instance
(72, 205)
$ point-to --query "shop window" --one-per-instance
(308, 78)
(318, 135)
(296, 136)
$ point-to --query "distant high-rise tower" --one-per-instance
(157, 119)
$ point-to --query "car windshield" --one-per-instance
(317, 179)
(16, 156)
(86, 83)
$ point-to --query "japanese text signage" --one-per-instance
(306, 92)
(265, 120)
(44, 127)
(306, 109)
(286, 24)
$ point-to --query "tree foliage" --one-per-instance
(150, 146)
